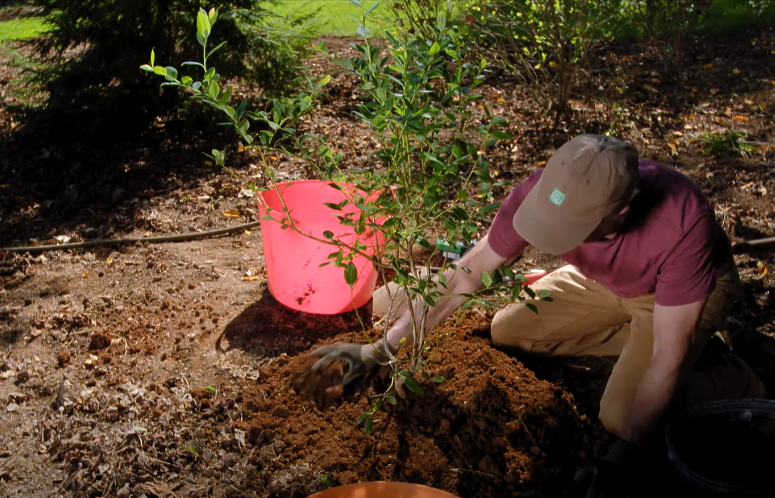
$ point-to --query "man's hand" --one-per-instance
(327, 370)
(361, 359)
(613, 475)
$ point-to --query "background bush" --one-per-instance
(545, 44)
(102, 93)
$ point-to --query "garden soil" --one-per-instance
(168, 370)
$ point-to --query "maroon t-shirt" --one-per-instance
(671, 244)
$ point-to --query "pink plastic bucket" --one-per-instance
(294, 275)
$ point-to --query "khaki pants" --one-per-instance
(585, 318)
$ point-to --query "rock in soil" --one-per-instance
(63, 358)
(99, 341)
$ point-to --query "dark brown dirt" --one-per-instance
(164, 370)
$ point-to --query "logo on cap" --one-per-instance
(557, 197)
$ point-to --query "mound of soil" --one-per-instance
(491, 429)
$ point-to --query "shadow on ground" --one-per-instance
(268, 328)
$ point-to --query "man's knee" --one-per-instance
(505, 331)
(614, 414)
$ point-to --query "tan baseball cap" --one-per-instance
(586, 180)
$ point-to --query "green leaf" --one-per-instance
(171, 72)
(372, 8)
(502, 135)
(532, 307)
(216, 48)
(422, 242)
(434, 48)
(362, 30)
(210, 73)
(414, 386)
(241, 109)
(213, 16)
(213, 89)
(161, 71)
(328, 234)
(498, 120)
(350, 274)
(405, 373)
(146, 67)
(201, 39)
(327, 481)
(225, 96)
(367, 427)
(466, 269)
(391, 399)
(153, 58)
(442, 22)
(243, 126)
(543, 294)
(325, 80)
(439, 378)
(489, 207)
(356, 2)
(203, 24)
(486, 279)
(186, 80)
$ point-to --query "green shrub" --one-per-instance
(668, 26)
(430, 176)
(545, 44)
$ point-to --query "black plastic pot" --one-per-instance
(725, 448)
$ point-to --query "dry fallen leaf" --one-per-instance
(708, 66)
(250, 278)
(231, 213)
(248, 232)
(763, 271)
(109, 261)
(740, 119)
(735, 71)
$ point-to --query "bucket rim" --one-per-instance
(760, 403)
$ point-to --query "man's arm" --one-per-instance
(481, 258)
(674, 335)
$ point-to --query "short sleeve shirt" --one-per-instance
(671, 244)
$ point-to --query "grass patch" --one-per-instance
(337, 17)
(23, 28)
(726, 16)
(23, 87)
